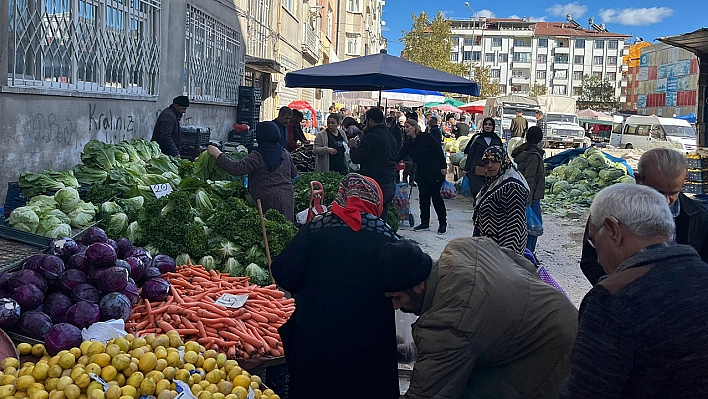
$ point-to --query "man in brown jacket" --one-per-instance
(519, 125)
(488, 326)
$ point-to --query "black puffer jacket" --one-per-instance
(529, 161)
(376, 155)
(476, 147)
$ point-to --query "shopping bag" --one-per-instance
(533, 222)
(401, 197)
(548, 279)
(465, 188)
(448, 191)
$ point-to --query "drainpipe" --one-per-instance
(277, 51)
(336, 35)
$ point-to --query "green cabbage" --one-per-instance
(134, 233)
(83, 215)
(24, 218)
(57, 214)
(60, 230)
(611, 174)
(227, 249)
(590, 174)
(110, 207)
(183, 259)
(117, 224)
(47, 223)
(257, 275)
(560, 187)
(208, 262)
(45, 203)
(204, 203)
(579, 162)
(575, 193)
(462, 142)
(573, 174)
(597, 159)
(626, 179)
(67, 198)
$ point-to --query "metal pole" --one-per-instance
(474, 21)
(379, 98)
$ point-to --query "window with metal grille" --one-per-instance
(489, 57)
(101, 46)
(541, 58)
(540, 74)
(577, 75)
(354, 6)
(213, 66)
(454, 57)
(495, 73)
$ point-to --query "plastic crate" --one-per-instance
(191, 152)
(278, 379)
(697, 175)
(13, 199)
(699, 163)
(244, 138)
(195, 138)
(695, 188)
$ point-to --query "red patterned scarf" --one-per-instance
(357, 194)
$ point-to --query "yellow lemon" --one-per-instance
(214, 376)
(24, 349)
(38, 350)
(82, 380)
(10, 362)
(225, 387)
(234, 372)
(7, 390)
(256, 379)
(160, 352)
(109, 373)
(196, 389)
(121, 361)
(83, 360)
(122, 343)
(175, 340)
(54, 371)
(242, 381)
(210, 354)
(112, 392)
(40, 394)
(275, 396)
(50, 384)
(147, 387)
(113, 350)
(205, 395)
(128, 390)
(135, 379)
(67, 361)
(93, 368)
(192, 346)
(139, 342)
(95, 348)
(268, 392)
(41, 372)
(220, 360)
(240, 392)
(72, 391)
(94, 385)
(191, 357)
(76, 352)
(161, 364)
(219, 395)
(212, 388)
(96, 394)
(23, 383)
(147, 362)
(173, 359)
(102, 359)
(255, 385)
(209, 364)
(84, 347)
(64, 382)
(161, 386)
(182, 375)
(231, 396)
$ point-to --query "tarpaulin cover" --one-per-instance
(565, 157)
(690, 118)
(379, 72)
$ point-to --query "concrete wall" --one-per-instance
(43, 128)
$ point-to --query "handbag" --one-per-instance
(533, 222)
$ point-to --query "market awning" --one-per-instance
(262, 64)
(695, 42)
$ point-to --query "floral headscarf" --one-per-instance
(496, 154)
(357, 194)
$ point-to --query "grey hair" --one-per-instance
(641, 209)
(671, 164)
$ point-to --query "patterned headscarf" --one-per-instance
(496, 154)
(357, 194)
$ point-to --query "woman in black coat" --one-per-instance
(474, 151)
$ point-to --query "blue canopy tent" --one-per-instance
(690, 118)
(379, 72)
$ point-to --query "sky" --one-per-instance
(648, 19)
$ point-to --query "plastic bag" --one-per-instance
(448, 191)
(465, 188)
(533, 222)
(401, 200)
(104, 331)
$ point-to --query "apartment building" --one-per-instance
(663, 81)
(522, 53)
(358, 28)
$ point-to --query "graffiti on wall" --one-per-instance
(114, 128)
(58, 130)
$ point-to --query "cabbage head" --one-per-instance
(257, 275)
(579, 162)
(117, 224)
(47, 223)
(24, 218)
(83, 215)
(561, 186)
(462, 142)
(45, 203)
(57, 214)
(611, 174)
(583, 188)
(204, 203)
(208, 262)
(551, 180)
(626, 179)
(60, 230)
(134, 233)
(590, 174)
(574, 193)
(67, 198)
(597, 159)
(110, 207)
(573, 174)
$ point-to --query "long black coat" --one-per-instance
(167, 132)
(341, 340)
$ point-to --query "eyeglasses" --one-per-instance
(591, 238)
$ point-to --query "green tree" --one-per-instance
(597, 94)
(488, 87)
(538, 90)
(429, 43)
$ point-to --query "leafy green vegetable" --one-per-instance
(89, 175)
(24, 218)
(227, 249)
(208, 262)
(83, 215)
(134, 233)
(330, 182)
(205, 167)
(560, 187)
(626, 179)
(67, 199)
(63, 218)
(44, 202)
(116, 224)
(33, 184)
(597, 159)
(183, 259)
(204, 203)
(109, 208)
(161, 165)
(257, 274)
(98, 154)
(60, 230)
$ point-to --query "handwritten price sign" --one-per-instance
(161, 190)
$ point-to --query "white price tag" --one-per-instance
(161, 190)
(251, 394)
(232, 301)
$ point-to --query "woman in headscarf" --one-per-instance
(474, 151)
(500, 207)
(269, 168)
(343, 330)
(329, 148)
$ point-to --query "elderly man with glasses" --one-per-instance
(643, 329)
(664, 170)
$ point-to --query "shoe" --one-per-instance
(422, 227)
(414, 185)
(442, 229)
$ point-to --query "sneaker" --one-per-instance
(442, 229)
(422, 227)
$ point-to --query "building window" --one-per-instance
(496, 42)
(455, 41)
(599, 44)
(561, 59)
(522, 57)
(541, 58)
(352, 5)
(466, 56)
(597, 75)
(611, 60)
(476, 56)
(454, 56)
(560, 74)
(611, 76)
(613, 44)
(495, 73)
(598, 60)
(525, 42)
(468, 41)
(517, 73)
(212, 65)
(518, 89)
(562, 90)
(540, 74)
(542, 42)
(503, 57)
(579, 60)
(577, 75)
(330, 22)
(577, 91)
(502, 89)
(353, 43)
(489, 57)
(99, 46)
(579, 43)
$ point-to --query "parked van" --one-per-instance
(646, 132)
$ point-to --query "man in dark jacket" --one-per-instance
(458, 128)
(284, 116)
(519, 125)
(434, 129)
(376, 156)
(488, 326)
(167, 131)
(665, 171)
(643, 329)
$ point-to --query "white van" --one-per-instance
(646, 132)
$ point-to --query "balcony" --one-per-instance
(310, 43)
(623, 83)
(561, 50)
(560, 65)
(521, 64)
(520, 80)
(560, 79)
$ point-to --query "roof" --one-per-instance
(696, 41)
(568, 29)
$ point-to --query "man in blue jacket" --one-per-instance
(167, 131)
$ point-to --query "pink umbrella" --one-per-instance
(447, 108)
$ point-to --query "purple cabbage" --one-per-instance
(150, 273)
(83, 314)
(94, 276)
(32, 262)
(78, 261)
(113, 279)
(34, 324)
(124, 246)
(156, 289)
(113, 243)
(4, 279)
(28, 296)
(114, 306)
(62, 336)
(56, 305)
(27, 276)
(63, 247)
(51, 267)
(142, 254)
(9, 312)
(70, 279)
(165, 263)
(125, 265)
(93, 234)
(131, 292)
(101, 255)
(137, 268)
(86, 293)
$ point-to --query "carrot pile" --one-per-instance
(246, 332)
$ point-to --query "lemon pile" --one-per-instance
(131, 367)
